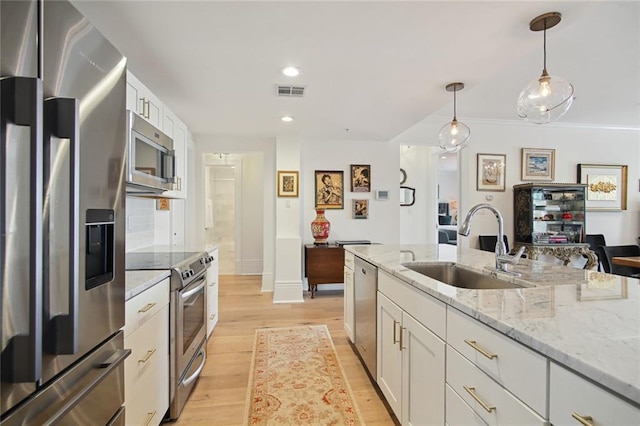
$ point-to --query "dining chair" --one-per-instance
(595, 241)
(606, 253)
(488, 242)
(443, 237)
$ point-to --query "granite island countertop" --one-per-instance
(138, 281)
(585, 320)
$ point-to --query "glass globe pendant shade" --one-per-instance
(454, 136)
(545, 99)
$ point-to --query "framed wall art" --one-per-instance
(360, 178)
(329, 185)
(360, 209)
(538, 164)
(287, 183)
(491, 172)
(606, 186)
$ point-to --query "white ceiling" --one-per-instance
(374, 68)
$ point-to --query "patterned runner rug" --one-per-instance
(296, 379)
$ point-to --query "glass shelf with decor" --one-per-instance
(549, 213)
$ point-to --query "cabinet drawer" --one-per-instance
(500, 406)
(427, 310)
(142, 307)
(348, 260)
(458, 412)
(571, 394)
(147, 371)
(514, 366)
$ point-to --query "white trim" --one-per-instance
(496, 121)
(268, 282)
(288, 292)
(250, 267)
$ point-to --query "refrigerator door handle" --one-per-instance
(61, 120)
(21, 359)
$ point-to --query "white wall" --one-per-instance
(382, 226)
(573, 145)
(252, 214)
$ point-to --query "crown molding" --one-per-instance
(563, 125)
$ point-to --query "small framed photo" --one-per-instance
(538, 164)
(606, 186)
(360, 178)
(287, 183)
(329, 185)
(491, 172)
(162, 204)
(360, 209)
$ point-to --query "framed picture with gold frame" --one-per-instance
(329, 186)
(491, 172)
(288, 183)
(538, 164)
(606, 186)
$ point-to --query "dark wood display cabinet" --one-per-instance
(550, 219)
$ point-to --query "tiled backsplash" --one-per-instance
(140, 223)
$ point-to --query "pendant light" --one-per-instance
(549, 97)
(454, 136)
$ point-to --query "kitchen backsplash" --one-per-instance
(140, 223)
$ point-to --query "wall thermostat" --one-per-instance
(382, 194)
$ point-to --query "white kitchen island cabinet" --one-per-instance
(349, 298)
(146, 370)
(411, 358)
(575, 400)
(528, 355)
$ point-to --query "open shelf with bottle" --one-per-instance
(549, 213)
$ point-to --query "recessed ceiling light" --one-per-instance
(286, 118)
(291, 71)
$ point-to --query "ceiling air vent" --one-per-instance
(292, 91)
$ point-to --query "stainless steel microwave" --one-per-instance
(151, 158)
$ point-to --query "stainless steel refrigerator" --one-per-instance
(62, 92)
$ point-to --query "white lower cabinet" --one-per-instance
(212, 292)
(458, 412)
(349, 298)
(410, 366)
(575, 401)
(146, 370)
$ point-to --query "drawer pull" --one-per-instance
(147, 356)
(150, 417)
(402, 344)
(395, 336)
(146, 307)
(584, 420)
(484, 352)
(472, 392)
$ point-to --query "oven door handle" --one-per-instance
(190, 293)
(195, 375)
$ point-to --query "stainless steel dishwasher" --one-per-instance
(366, 287)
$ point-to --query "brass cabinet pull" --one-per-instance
(472, 392)
(484, 352)
(146, 307)
(395, 336)
(150, 417)
(584, 420)
(402, 344)
(147, 356)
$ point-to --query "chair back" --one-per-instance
(443, 237)
(488, 242)
(595, 241)
(607, 253)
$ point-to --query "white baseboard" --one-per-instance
(288, 292)
(268, 283)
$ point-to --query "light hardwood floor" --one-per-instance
(219, 396)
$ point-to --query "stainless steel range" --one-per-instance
(187, 317)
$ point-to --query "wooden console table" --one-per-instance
(563, 252)
(323, 265)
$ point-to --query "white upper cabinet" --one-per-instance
(177, 130)
(143, 102)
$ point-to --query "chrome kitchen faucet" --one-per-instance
(502, 258)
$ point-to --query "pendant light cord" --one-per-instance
(544, 47)
(454, 104)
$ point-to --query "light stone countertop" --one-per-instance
(585, 320)
(138, 281)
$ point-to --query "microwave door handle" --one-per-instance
(170, 166)
(62, 121)
(22, 106)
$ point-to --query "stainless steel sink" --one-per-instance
(450, 273)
